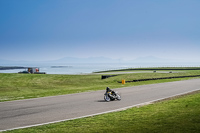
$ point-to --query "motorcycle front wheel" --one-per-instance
(106, 98)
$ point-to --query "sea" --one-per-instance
(88, 68)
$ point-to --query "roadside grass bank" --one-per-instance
(179, 115)
(25, 86)
(152, 69)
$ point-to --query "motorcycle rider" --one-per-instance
(111, 95)
(109, 90)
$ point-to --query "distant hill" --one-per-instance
(146, 59)
(86, 60)
(64, 60)
(152, 59)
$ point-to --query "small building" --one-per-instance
(32, 70)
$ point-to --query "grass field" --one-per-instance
(24, 86)
(179, 115)
(152, 69)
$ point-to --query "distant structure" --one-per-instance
(32, 70)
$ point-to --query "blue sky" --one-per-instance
(118, 29)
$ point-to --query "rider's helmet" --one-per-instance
(108, 89)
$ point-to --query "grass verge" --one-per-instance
(179, 115)
(151, 69)
(24, 86)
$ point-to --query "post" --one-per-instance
(123, 81)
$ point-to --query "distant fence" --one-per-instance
(107, 76)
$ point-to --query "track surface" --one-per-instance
(22, 113)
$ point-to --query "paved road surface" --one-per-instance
(30, 112)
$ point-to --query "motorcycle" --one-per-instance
(111, 95)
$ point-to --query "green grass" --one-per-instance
(24, 86)
(152, 69)
(180, 115)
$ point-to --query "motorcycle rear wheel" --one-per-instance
(118, 97)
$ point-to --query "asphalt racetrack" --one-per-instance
(39, 111)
